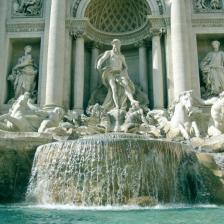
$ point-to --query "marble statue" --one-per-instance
(133, 118)
(53, 121)
(115, 77)
(22, 116)
(216, 123)
(212, 67)
(27, 7)
(182, 121)
(24, 74)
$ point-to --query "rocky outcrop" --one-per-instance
(213, 144)
(16, 158)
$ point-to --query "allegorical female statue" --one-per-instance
(212, 67)
(23, 76)
(115, 77)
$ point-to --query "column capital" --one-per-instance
(141, 43)
(77, 34)
(157, 31)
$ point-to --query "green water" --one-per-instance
(68, 215)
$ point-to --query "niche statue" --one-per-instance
(212, 67)
(115, 77)
(23, 75)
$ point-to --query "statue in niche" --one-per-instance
(212, 67)
(24, 74)
(215, 4)
(23, 116)
(27, 7)
(115, 77)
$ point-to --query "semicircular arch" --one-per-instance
(80, 6)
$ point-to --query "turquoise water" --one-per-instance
(21, 214)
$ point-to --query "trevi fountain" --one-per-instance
(112, 111)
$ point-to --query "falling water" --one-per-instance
(111, 169)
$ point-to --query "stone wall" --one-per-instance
(16, 157)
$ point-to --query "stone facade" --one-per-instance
(164, 43)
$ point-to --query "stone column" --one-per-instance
(3, 16)
(94, 79)
(157, 69)
(179, 41)
(143, 67)
(45, 41)
(79, 75)
(56, 55)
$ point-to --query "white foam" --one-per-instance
(116, 208)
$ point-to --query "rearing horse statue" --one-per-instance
(182, 121)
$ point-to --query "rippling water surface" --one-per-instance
(27, 214)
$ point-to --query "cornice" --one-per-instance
(207, 22)
(25, 27)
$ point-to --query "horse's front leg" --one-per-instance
(196, 129)
(183, 131)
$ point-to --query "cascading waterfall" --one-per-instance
(111, 169)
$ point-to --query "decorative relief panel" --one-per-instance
(30, 8)
(205, 6)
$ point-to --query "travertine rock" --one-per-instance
(16, 158)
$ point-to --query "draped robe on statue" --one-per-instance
(212, 67)
(107, 73)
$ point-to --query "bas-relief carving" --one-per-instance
(24, 75)
(212, 67)
(207, 5)
(27, 7)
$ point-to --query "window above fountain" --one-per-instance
(116, 16)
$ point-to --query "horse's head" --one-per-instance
(186, 99)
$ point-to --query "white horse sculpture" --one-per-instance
(183, 122)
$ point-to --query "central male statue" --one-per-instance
(115, 77)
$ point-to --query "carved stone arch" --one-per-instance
(79, 7)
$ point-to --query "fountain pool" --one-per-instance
(68, 215)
